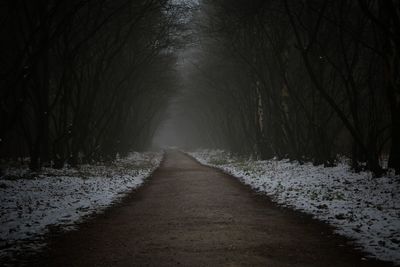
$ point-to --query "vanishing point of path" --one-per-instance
(191, 215)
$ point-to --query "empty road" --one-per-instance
(191, 215)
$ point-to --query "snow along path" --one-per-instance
(360, 206)
(194, 215)
(30, 206)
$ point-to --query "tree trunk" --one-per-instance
(394, 156)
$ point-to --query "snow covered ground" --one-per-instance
(31, 204)
(361, 207)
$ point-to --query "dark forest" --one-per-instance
(133, 88)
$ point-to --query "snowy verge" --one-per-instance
(359, 206)
(31, 204)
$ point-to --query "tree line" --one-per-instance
(305, 80)
(83, 80)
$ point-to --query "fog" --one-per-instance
(178, 129)
(304, 80)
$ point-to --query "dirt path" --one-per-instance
(191, 215)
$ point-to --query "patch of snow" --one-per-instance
(30, 206)
(359, 206)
